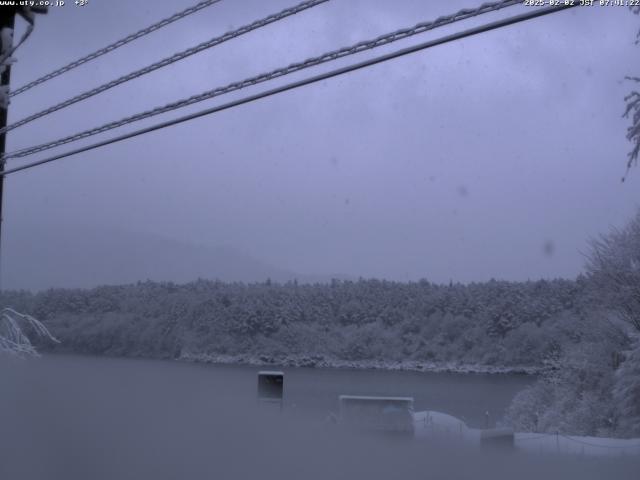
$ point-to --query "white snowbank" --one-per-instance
(443, 427)
(573, 444)
(325, 362)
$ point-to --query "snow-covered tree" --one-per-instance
(632, 112)
(627, 393)
(614, 265)
(575, 396)
(14, 329)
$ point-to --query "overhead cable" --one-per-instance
(166, 61)
(264, 77)
(109, 48)
(300, 83)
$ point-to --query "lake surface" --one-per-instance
(314, 392)
(92, 418)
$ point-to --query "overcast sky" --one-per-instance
(495, 156)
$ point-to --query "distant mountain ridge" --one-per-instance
(41, 257)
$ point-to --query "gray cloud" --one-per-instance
(361, 174)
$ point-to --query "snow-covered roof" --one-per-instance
(366, 397)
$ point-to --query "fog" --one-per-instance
(493, 157)
(106, 419)
(497, 156)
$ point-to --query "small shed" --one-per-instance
(383, 414)
(271, 386)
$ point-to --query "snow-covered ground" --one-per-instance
(326, 362)
(443, 427)
(430, 425)
(572, 444)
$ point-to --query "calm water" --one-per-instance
(76, 381)
(73, 417)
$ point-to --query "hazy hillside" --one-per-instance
(46, 256)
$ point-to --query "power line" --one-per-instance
(168, 61)
(300, 83)
(113, 46)
(295, 67)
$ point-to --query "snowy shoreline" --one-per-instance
(323, 362)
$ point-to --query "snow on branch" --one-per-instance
(13, 339)
(614, 265)
(632, 111)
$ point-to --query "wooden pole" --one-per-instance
(7, 20)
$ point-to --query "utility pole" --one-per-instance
(7, 20)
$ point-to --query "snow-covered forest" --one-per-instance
(496, 323)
